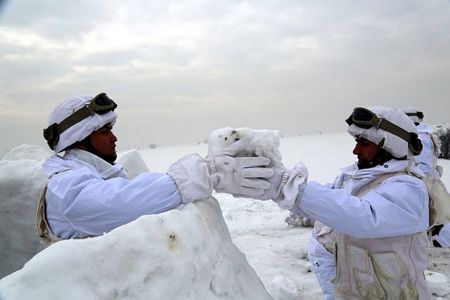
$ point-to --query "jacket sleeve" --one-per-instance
(94, 206)
(425, 159)
(396, 207)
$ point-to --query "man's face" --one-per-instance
(366, 151)
(104, 141)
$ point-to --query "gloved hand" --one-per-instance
(293, 182)
(285, 184)
(196, 177)
(274, 190)
(240, 175)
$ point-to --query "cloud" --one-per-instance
(265, 62)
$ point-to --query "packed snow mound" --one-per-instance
(21, 182)
(24, 151)
(257, 142)
(439, 284)
(185, 253)
(132, 163)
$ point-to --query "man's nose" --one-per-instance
(113, 137)
(357, 149)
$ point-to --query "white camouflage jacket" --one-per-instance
(427, 159)
(377, 227)
(398, 206)
(87, 196)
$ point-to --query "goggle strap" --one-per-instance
(396, 130)
(52, 133)
(74, 118)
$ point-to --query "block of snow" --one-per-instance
(185, 253)
(21, 182)
(438, 283)
(257, 142)
(132, 162)
(25, 151)
(284, 288)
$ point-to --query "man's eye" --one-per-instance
(364, 143)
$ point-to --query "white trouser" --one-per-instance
(324, 267)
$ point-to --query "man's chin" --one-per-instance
(111, 158)
(365, 164)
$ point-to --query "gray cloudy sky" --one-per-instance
(179, 69)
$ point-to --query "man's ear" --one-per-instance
(79, 145)
(84, 144)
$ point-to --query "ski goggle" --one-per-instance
(100, 104)
(364, 118)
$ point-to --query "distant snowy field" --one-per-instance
(277, 252)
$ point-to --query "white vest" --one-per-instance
(381, 268)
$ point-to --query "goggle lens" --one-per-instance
(363, 118)
(362, 115)
(101, 104)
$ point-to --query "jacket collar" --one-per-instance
(354, 179)
(391, 166)
(105, 169)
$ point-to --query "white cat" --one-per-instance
(264, 143)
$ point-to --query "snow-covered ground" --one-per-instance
(276, 251)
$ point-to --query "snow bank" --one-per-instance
(132, 162)
(185, 253)
(21, 182)
(438, 283)
(25, 151)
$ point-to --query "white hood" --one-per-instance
(83, 128)
(393, 144)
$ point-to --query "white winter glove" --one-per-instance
(241, 175)
(196, 177)
(292, 183)
(275, 180)
(285, 185)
